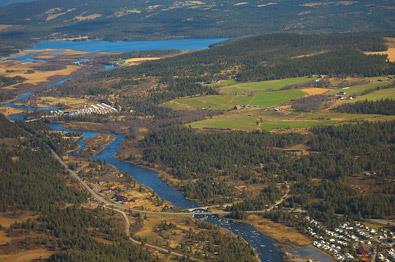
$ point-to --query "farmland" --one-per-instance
(269, 108)
(390, 52)
(257, 94)
(358, 87)
(379, 94)
(269, 120)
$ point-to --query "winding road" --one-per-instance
(121, 210)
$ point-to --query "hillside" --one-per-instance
(120, 19)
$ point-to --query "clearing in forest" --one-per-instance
(312, 91)
(390, 52)
(33, 76)
(255, 94)
(268, 120)
(388, 93)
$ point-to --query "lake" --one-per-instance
(98, 46)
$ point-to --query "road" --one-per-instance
(106, 202)
(121, 210)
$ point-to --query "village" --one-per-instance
(353, 241)
(100, 109)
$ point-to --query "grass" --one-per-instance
(27, 255)
(226, 102)
(359, 89)
(247, 121)
(390, 41)
(4, 239)
(312, 91)
(239, 123)
(138, 60)
(7, 220)
(13, 69)
(224, 83)
(272, 85)
(249, 124)
(378, 95)
(279, 232)
(10, 111)
(68, 101)
(259, 94)
(266, 99)
(272, 125)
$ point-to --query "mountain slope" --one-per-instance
(122, 19)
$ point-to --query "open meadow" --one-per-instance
(390, 52)
(255, 94)
(270, 108)
(271, 120)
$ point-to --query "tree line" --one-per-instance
(336, 153)
(32, 180)
(381, 107)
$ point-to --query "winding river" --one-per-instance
(264, 246)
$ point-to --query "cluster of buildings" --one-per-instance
(124, 199)
(342, 95)
(353, 241)
(100, 109)
(118, 197)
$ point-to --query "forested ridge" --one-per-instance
(274, 56)
(352, 151)
(159, 19)
(32, 180)
(256, 58)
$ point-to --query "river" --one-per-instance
(265, 246)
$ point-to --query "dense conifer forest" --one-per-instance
(360, 151)
(159, 19)
(32, 180)
(381, 107)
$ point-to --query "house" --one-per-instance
(238, 107)
(341, 95)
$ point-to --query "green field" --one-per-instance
(357, 90)
(272, 85)
(258, 94)
(378, 95)
(268, 121)
(247, 124)
(263, 95)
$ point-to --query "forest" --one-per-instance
(350, 151)
(256, 58)
(274, 56)
(158, 19)
(201, 153)
(6, 81)
(32, 180)
(381, 107)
